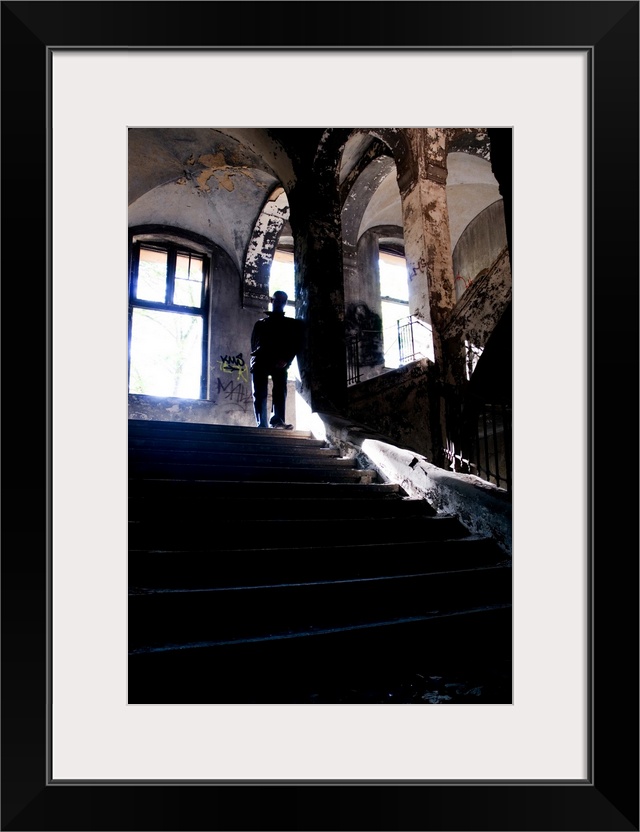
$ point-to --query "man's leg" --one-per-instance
(278, 396)
(260, 381)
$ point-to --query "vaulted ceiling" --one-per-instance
(220, 179)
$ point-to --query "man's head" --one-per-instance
(279, 301)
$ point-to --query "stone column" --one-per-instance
(320, 299)
(428, 245)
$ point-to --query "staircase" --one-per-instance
(265, 568)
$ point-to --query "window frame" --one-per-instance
(175, 243)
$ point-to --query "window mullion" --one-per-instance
(171, 275)
(135, 262)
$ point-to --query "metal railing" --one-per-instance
(479, 437)
(415, 340)
(353, 359)
(478, 433)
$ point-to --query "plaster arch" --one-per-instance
(262, 246)
(214, 182)
(471, 188)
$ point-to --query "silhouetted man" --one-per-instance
(275, 342)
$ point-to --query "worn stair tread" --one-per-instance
(185, 570)
(181, 614)
(268, 554)
(155, 425)
(323, 457)
(230, 588)
(317, 631)
(253, 473)
(223, 568)
(289, 532)
(363, 554)
(286, 666)
(259, 488)
(348, 506)
(361, 579)
(306, 447)
(370, 549)
(361, 549)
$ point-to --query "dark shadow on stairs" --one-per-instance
(264, 568)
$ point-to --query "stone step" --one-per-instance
(278, 491)
(250, 473)
(179, 617)
(216, 530)
(265, 555)
(210, 568)
(256, 457)
(233, 444)
(290, 667)
(191, 430)
(240, 508)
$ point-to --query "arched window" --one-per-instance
(168, 321)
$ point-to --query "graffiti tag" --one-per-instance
(234, 364)
(236, 393)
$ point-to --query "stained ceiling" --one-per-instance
(221, 178)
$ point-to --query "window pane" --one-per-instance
(152, 275)
(166, 354)
(393, 277)
(282, 278)
(391, 313)
(188, 285)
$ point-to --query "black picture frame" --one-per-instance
(608, 798)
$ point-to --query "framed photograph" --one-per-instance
(561, 79)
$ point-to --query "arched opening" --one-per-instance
(381, 333)
(262, 249)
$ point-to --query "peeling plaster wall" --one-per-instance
(168, 409)
(262, 247)
(479, 246)
(229, 382)
(222, 411)
(483, 304)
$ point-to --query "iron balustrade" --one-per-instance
(479, 437)
(414, 339)
(353, 359)
(478, 433)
